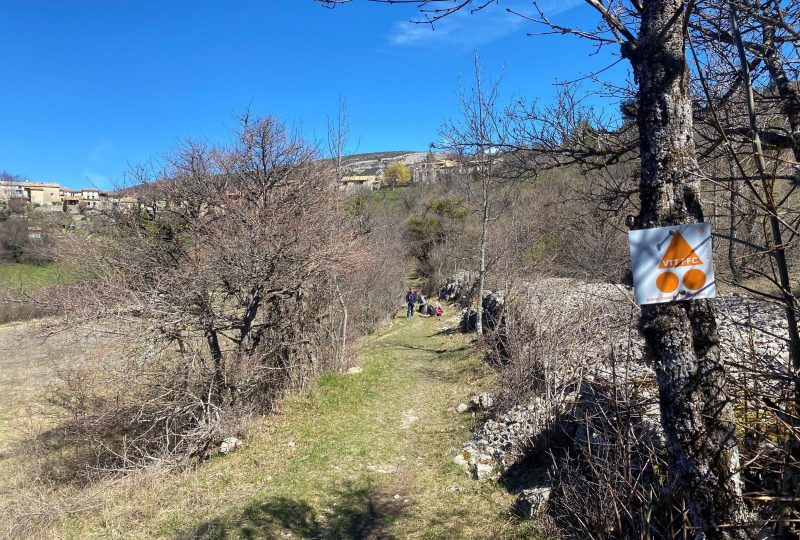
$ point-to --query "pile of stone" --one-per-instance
(501, 441)
(458, 289)
(747, 326)
(494, 303)
(479, 402)
(752, 327)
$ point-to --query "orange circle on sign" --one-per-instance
(694, 279)
(667, 282)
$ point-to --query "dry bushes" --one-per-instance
(572, 349)
(574, 352)
(15, 308)
(225, 289)
(764, 387)
(610, 480)
(554, 333)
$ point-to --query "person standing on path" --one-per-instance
(411, 299)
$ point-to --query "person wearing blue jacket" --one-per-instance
(411, 299)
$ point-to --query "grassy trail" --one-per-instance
(365, 455)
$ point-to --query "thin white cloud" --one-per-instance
(94, 178)
(466, 29)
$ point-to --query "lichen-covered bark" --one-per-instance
(682, 337)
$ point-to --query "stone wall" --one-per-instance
(750, 328)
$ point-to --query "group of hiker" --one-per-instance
(415, 299)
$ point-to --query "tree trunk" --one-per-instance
(682, 337)
(736, 270)
(343, 304)
(777, 245)
(482, 264)
(215, 390)
(790, 100)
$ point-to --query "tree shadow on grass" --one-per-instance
(417, 348)
(449, 331)
(354, 513)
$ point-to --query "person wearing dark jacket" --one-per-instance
(411, 299)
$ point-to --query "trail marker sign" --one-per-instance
(672, 263)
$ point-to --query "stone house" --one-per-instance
(35, 193)
(352, 182)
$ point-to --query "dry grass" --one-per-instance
(355, 456)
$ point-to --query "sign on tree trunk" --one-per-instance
(672, 263)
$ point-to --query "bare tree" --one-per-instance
(682, 337)
(338, 137)
(219, 288)
(478, 139)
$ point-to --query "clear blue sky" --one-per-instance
(90, 88)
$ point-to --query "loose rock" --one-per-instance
(530, 502)
(229, 444)
(482, 401)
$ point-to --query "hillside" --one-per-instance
(374, 163)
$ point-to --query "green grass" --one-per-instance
(33, 276)
(390, 197)
(366, 455)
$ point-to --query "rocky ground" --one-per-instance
(750, 329)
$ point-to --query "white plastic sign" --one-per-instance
(672, 263)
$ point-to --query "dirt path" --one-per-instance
(362, 455)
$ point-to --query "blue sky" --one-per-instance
(91, 88)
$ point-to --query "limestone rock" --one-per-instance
(462, 461)
(457, 289)
(229, 444)
(531, 502)
(493, 306)
(485, 470)
(482, 401)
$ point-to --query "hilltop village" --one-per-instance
(361, 171)
(50, 196)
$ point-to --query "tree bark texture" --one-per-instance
(682, 337)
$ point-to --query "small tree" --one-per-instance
(396, 174)
(478, 139)
(13, 239)
(221, 284)
(17, 205)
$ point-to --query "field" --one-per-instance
(18, 282)
(33, 276)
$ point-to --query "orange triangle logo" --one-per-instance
(679, 253)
